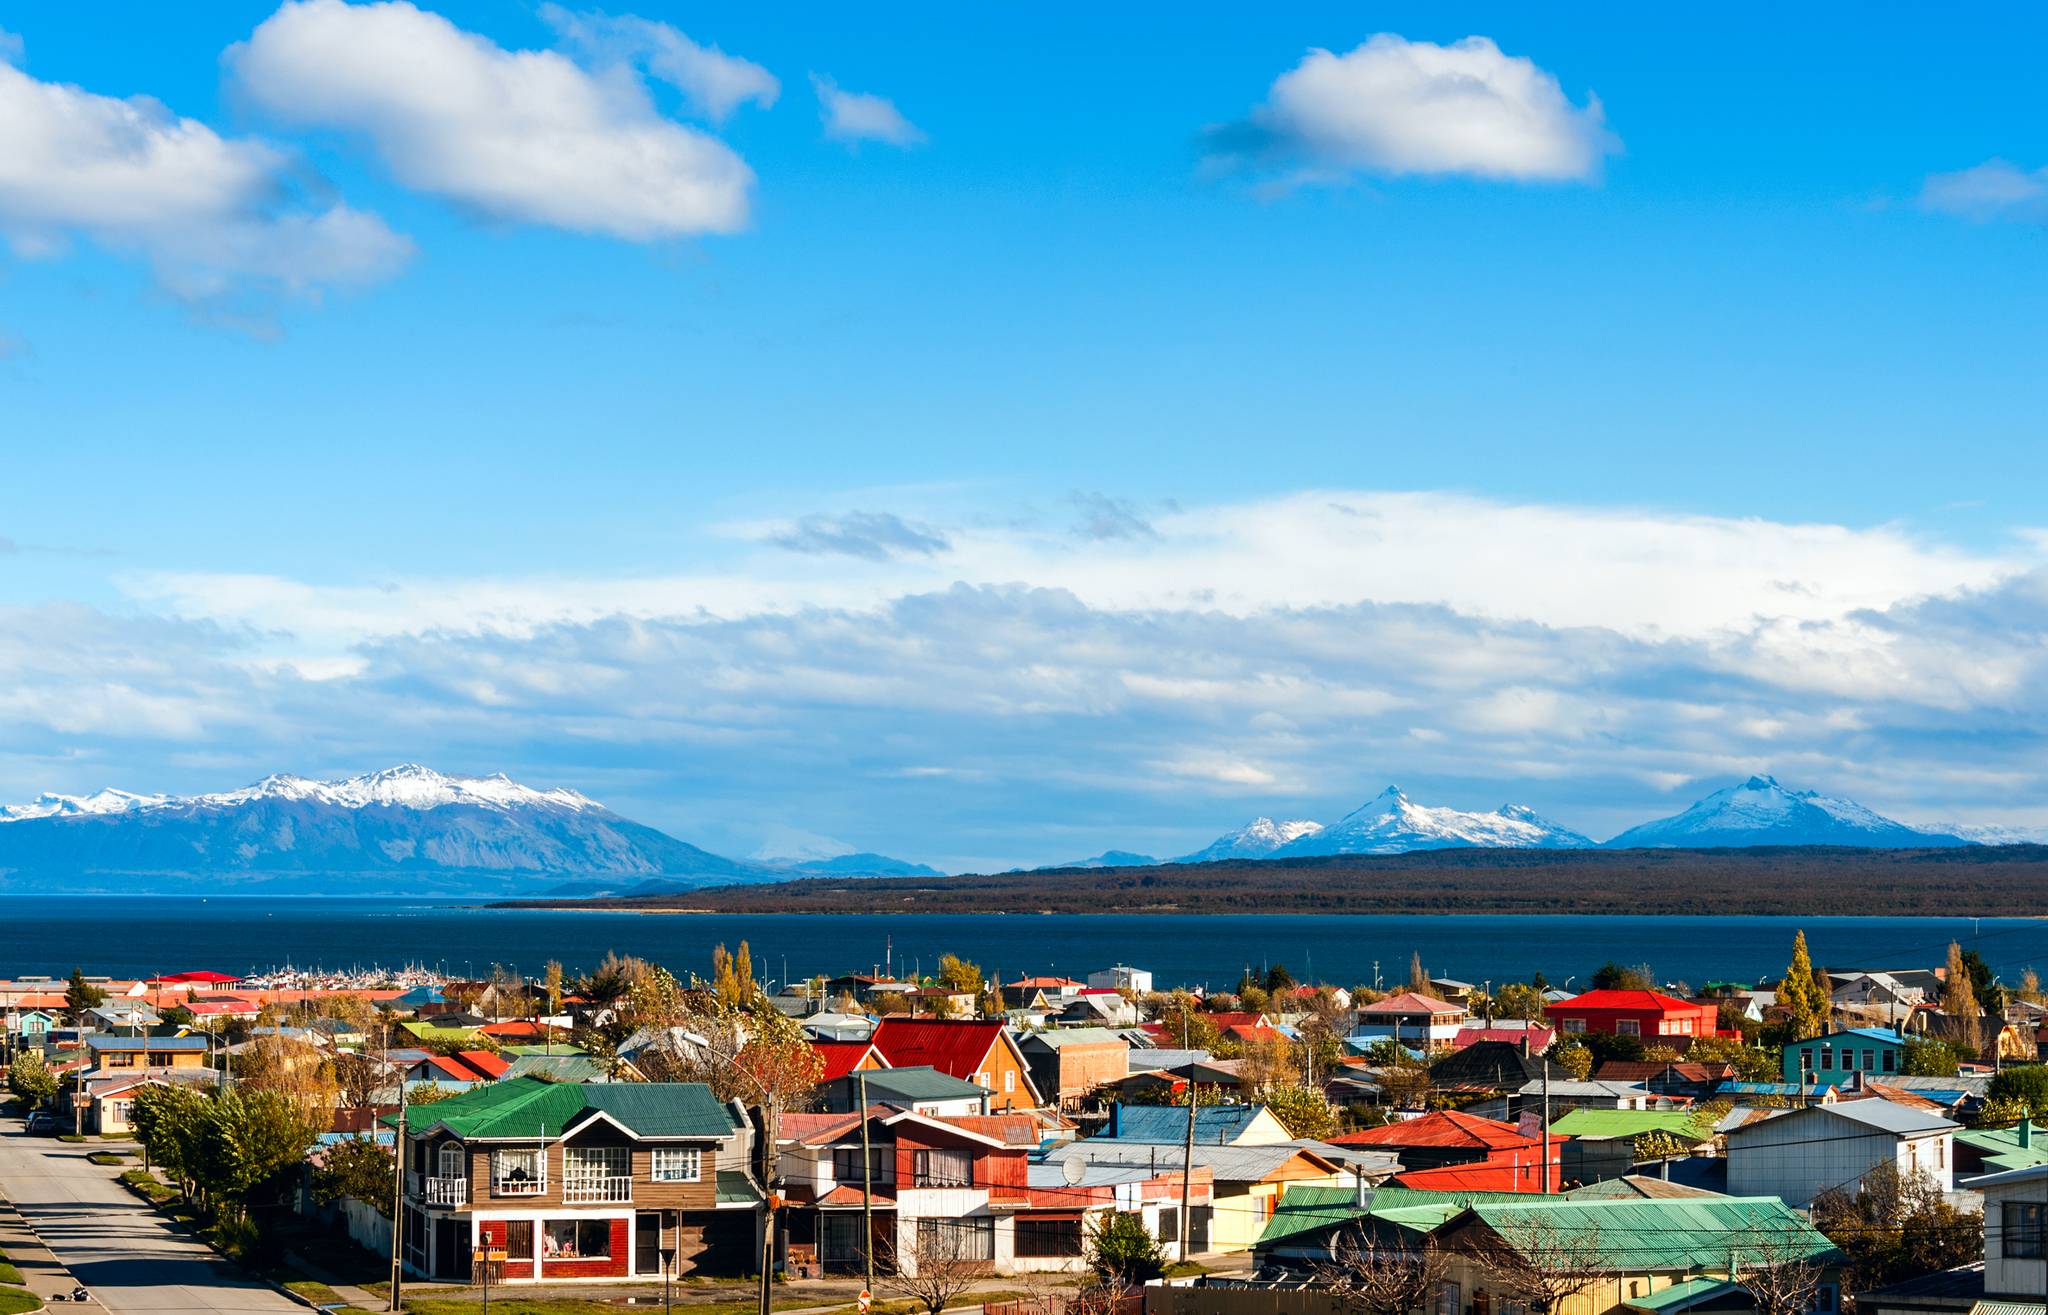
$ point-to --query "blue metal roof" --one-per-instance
(146, 1043)
(1214, 1124)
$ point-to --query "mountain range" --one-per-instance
(406, 828)
(414, 830)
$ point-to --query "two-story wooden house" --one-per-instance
(579, 1182)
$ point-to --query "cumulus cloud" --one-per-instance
(523, 136)
(1993, 190)
(1393, 107)
(714, 82)
(875, 535)
(209, 213)
(856, 116)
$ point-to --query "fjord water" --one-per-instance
(127, 937)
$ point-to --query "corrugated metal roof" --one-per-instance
(1681, 1296)
(1622, 1123)
(1653, 1234)
(1214, 1124)
(529, 1107)
(1227, 1164)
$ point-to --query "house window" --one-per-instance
(1009, 1081)
(597, 1173)
(1940, 1153)
(839, 1238)
(678, 1165)
(846, 1164)
(519, 1239)
(1049, 1237)
(1447, 1299)
(1848, 1061)
(1827, 1056)
(957, 1239)
(1624, 1027)
(578, 1239)
(1891, 1061)
(519, 1173)
(2023, 1230)
(943, 1168)
(450, 1161)
(1869, 1060)
(1574, 1025)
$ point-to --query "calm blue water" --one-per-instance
(135, 937)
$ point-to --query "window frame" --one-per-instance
(503, 1184)
(692, 1157)
(581, 1229)
(979, 1229)
(924, 1167)
(2012, 1228)
(1047, 1238)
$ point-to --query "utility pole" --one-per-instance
(867, 1186)
(398, 1205)
(771, 1126)
(1187, 1167)
(1544, 1170)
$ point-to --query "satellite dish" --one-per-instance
(1073, 1169)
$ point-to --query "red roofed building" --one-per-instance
(1421, 1022)
(1448, 1137)
(490, 1065)
(1488, 1176)
(1635, 1013)
(844, 1057)
(976, 1050)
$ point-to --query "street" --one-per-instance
(127, 1256)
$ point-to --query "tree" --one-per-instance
(1418, 980)
(169, 1121)
(959, 976)
(1122, 1252)
(31, 1079)
(1543, 1264)
(357, 1168)
(1893, 1227)
(1807, 1006)
(2025, 1087)
(2030, 987)
(551, 983)
(1186, 1025)
(1781, 1275)
(250, 1141)
(1574, 1058)
(1303, 1111)
(1932, 1059)
(732, 977)
(1519, 1000)
(81, 996)
(937, 1270)
(295, 1069)
(1959, 1000)
(1658, 1144)
(426, 1093)
(1278, 980)
(1984, 983)
(1612, 976)
(1368, 1276)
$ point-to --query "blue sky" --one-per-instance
(1145, 427)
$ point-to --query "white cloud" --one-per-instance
(857, 116)
(207, 212)
(1393, 106)
(526, 136)
(715, 83)
(1995, 189)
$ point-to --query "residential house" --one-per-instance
(1069, 1063)
(1215, 1125)
(579, 1182)
(840, 1058)
(566, 1068)
(1803, 1153)
(958, 1181)
(1170, 1082)
(1996, 1039)
(1096, 1006)
(1420, 1022)
(110, 1095)
(1832, 1059)
(1876, 993)
(1636, 1013)
(864, 987)
(121, 1016)
(27, 1026)
(1042, 993)
(1122, 977)
(919, 1088)
(2000, 1150)
(2012, 1279)
(1493, 1066)
(944, 1002)
(1513, 1031)
(1248, 1180)
(110, 1053)
(831, 1026)
(1451, 1137)
(981, 1051)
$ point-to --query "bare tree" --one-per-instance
(1542, 1264)
(935, 1272)
(1781, 1276)
(1367, 1276)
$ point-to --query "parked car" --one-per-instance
(41, 1125)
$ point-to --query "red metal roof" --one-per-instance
(841, 1057)
(1484, 1177)
(484, 1062)
(1628, 1001)
(1411, 1002)
(1441, 1128)
(956, 1047)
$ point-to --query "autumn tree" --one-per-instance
(551, 986)
(1519, 1000)
(1418, 979)
(1303, 1111)
(937, 1269)
(297, 1070)
(1370, 1276)
(1574, 1058)
(1781, 1274)
(2030, 987)
(1959, 1000)
(732, 977)
(1543, 1265)
(31, 1079)
(1894, 1226)
(1807, 1006)
(959, 976)
(1187, 1027)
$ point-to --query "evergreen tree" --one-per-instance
(81, 995)
(1806, 1004)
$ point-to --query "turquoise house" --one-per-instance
(1838, 1057)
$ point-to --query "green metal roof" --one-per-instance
(736, 1185)
(556, 1048)
(1304, 1209)
(557, 1068)
(2002, 1149)
(1680, 1296)
(1654, 1234)
(529, 1107)
(922, 1082)
(1623, 1123)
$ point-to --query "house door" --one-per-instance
(647, 1242)
(451, 1249)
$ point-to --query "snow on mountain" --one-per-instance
(66, 805)
(1393, 824)
(1762, 812)
(407, 785)
(1255, 839)
(1989, 833)
(1111, 858)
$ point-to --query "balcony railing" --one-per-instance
(519, 1187)
(589, 1191)
(447, 1191)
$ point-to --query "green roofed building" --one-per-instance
(1625, 1123)
(579, 1181)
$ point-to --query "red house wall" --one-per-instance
(493, 1234)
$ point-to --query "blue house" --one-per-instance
(1837, 1057)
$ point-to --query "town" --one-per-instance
(1831, 1140)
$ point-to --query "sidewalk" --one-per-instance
(41, 1272)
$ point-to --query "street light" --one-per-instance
(771, 1137)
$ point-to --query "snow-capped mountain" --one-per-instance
(1393, 824)
(1255, 839)
(1109, 858)
(1988, 833)
(442, 832)
(805, 853)
(1762, 812)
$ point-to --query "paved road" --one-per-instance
(126, 1254)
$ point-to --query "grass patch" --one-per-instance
(1186, 1269)
(17, 1301)
(147, 1186)
(9, 1274)
(107, 1157)
(515, 1306)
(70, 1137)
(317, 1293)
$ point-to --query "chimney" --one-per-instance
(2026, 1131)
(1525, 1043)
